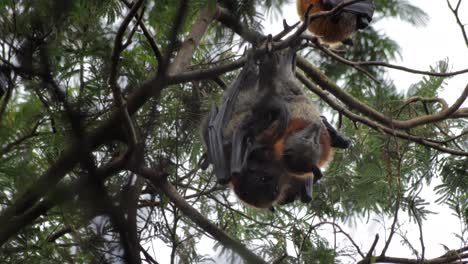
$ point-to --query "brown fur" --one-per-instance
(296, 125)
(328, 29)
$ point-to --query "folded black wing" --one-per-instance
(219, 118)
(363, 9)
(337, 139)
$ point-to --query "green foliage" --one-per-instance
(369, 178)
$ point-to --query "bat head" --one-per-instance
(258, 182)
(302, 150)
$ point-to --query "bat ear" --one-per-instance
(317, 173)
(328, 5)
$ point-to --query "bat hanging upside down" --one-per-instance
(339, 27)
(267, 140)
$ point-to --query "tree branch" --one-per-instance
(378, 127)
(323, 81)
(457, 17)
(168, 190)
(115, 58)
(107, 131)
(149, 38)
(318, 77)
(176, 26)
(186, 51)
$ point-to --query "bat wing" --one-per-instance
(3, 84)
(215, 145)
(297, 189)
(337, 139)
(307, 190)
(363, 9)
(219, 118)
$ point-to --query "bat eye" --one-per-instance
(265, 178)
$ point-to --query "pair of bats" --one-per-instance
(267, 140)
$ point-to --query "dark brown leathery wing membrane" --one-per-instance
(218, 120)
(364, 10)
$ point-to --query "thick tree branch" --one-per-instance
(56, 235)
(201, 74)
(455, 259)
(12, 221)
(318, 77)
(368, 258)
(5, 99)
(176, 26)
(186, 51)
(107, 131)
(378, 127)
(330, 86)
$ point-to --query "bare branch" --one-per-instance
(149, 38)
(335, 225)
(185, 53)
(19, 140)
(54, 236)
(210, 73)
(327, 51)
(148, 256)
(457, 17)
(176, 26)
(325, 83)
(115, 58)
(401, 68)
(367, 259)
(378, 127)
(395, 214)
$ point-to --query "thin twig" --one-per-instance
(457, 17)
(317, 44)
(401, 68)
(149, 38)
(115, 58)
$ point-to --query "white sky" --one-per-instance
(420, 47)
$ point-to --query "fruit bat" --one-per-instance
(267, 140)
(337, 28)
